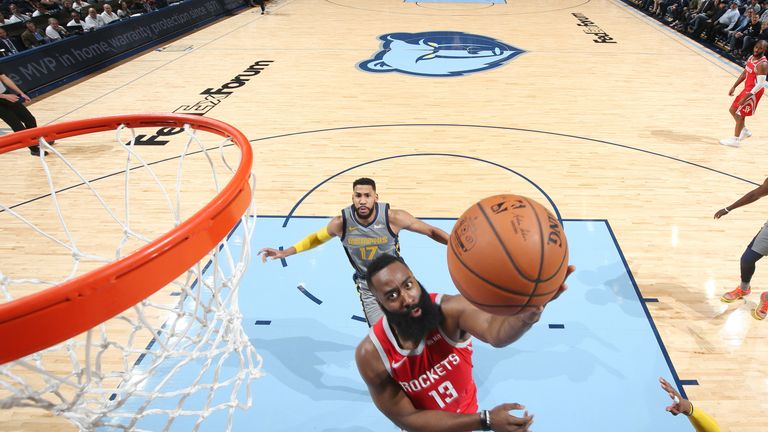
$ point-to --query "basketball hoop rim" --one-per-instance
(40, 320)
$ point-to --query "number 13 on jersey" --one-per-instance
(444, 394)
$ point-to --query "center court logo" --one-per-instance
(442, 53)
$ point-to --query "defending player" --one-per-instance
(367, 229)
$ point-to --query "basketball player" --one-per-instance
(417, 359)
(700, 420)
(368, 229)
(745, 103)
(756, 249)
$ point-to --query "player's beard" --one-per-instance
(414, 329)
(361, 216)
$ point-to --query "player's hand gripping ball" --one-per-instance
(507, 253)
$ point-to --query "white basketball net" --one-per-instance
(179, 359)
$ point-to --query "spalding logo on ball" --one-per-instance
(507, 253)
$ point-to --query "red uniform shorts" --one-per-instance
(750, 105)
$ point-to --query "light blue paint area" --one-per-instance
(458, 1)
(599, 373)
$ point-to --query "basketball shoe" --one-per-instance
(730, 142)
(738, 293)
(745, 133)
(762, 308)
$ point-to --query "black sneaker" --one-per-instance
(35, 151)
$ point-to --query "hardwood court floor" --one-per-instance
(625, 132)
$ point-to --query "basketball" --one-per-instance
(507, 253)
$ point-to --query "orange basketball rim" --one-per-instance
(74, 306)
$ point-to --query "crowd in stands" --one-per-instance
(26, 24)
(731, 27)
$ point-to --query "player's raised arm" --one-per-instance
(333, 229)
(497, 330)
(401, 219)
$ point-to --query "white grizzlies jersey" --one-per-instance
(364, 243)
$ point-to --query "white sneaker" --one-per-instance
(745, 133)
(730, 142)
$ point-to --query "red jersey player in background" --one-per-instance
(417, 359)
(745, 103)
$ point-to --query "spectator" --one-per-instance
(123, 11)
(692, 6)
(76, 25)
(66, 9)
(676, 11)
(41, 10)
(54, 31)
(93, 20)
(27, 7)
(726, 21)
(80, 5)
(32, 36)
(751, 40)
(145, 5)
(658, 8)
(16, 15)
(50, 5)
(737, 37)
(3, 20)
(690, 11)
(703, 22)
(754, 6)
(108, 16)
(703, 17)
(6, 44)
(733, 26)
(741, 24)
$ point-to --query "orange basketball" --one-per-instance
(507, 253)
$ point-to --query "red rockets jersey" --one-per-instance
(751, 69)
(437, 375)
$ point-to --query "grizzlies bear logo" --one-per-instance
(443, 54)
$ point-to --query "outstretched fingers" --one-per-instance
(667, 387)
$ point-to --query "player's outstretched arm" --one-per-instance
(497, 330)
(748, 198)
(401, 219)
(333, 229)
(392, 401)
(700, 420)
